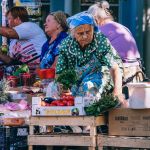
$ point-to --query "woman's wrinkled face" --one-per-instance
(84, 34)
(51, 25)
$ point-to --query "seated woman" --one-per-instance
(121, 39)
(87, 51)
(56, 28)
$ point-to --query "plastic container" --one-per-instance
(27, 79)
(14, 138)
(139, 95)
(13, 121)
(4, 138)
(50, 73)
(18, 137)
(46, 73)
(41, 73)
(13, 81)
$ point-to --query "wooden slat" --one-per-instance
(91, 148)
(93, 131)
(62, 140)
(100, 120)
(68, 120)
(30, 147)
(120, 141)
(31, 130)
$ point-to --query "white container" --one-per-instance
(139, 95)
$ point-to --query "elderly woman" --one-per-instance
(56, 28)
(121, 39)
(87, 52)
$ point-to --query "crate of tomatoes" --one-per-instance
(64, 106)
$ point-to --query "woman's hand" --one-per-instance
(122, 100)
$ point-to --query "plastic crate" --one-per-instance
(18, 137)
(4, 138)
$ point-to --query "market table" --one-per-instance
(53, 139)
(122, 141)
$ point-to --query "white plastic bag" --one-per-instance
(53, 90)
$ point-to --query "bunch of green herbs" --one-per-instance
(67, 79)
(102, 105)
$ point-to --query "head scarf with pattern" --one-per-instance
(81, 19)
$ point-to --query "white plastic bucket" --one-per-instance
(139, 95)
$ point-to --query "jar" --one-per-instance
(25, 79)
(13, 81)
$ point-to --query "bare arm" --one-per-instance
(6, 59)
(55, 62)
(8, 32)
(117, 79)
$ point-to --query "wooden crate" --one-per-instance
(66, 139)
(122, 141)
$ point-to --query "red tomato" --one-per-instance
(60, 104)
(52, 104)
(70, 103)
(67, 97)
(65, 102)
(63, 97)
(70, 98)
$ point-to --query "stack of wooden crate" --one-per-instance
(88, 140)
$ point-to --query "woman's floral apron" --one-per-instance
(91, 79)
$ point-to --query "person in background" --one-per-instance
(121, 39)
(26, 39)
(56, 28)
(86, 51)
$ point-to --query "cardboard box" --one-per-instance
(129, 122)
(57, 111)
(84, 101)
(38, 110)
(13, 121)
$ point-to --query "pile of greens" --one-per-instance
(102, 105)
(22, 69)
(67, 79)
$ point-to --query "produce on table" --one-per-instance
(102, 105)
(4, 49)
(67, 79)
(22, 69)
(67, 100)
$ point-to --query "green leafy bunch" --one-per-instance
(102, 105)
(22, 69)
(67, 79)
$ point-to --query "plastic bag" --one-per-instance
(53, 90)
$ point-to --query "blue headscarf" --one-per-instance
(81, 19)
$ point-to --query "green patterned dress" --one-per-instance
(92, 65)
